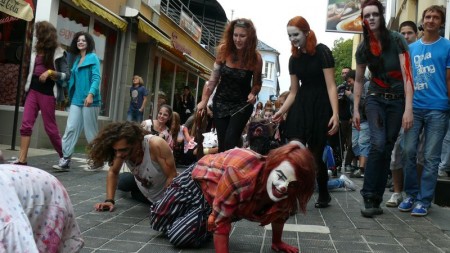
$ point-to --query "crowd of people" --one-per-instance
(389, 116)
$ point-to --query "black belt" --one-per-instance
(387, 95)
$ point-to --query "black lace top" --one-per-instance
(232, 91)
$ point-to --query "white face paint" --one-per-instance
(278, 181)
(296, 36)
(372, 16)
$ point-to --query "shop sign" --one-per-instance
(17, 8)
(178, 46)
(67, 28)
(189, 25)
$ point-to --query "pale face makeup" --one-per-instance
(373, 17)
(278, 181)
(296, 36)
(81, 43)
(239, 37)
(409, 34)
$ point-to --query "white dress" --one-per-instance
(36, 214)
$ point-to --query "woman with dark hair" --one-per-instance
(313, 106)
(388, 104)
(48, 69)
(237, 64)
(84, 94)
(187, 104)
(233, 185)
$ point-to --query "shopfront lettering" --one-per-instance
(8, 19)
(66, 34)
(10, 5)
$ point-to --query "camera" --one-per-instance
(341, 90)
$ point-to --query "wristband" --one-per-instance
(110, 201)
(50, 72)
(206, 151)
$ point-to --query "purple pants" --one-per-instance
(34, 103)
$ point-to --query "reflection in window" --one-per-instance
(166, 80)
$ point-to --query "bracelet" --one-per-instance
(110, 201)
(50, 72)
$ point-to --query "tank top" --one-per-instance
(149, 175)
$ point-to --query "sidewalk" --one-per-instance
(338, 228)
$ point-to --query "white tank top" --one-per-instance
(149, 175)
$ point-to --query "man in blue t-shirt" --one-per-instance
(138, 99)
(430, 59)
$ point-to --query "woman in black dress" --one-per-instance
(237, 75)
(314, 103)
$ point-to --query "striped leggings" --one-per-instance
(182, 213)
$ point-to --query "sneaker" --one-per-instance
(442, 173)
(356, 174)
(419, 210)
(63, 164)
(348, 169)
(395, 200)
(406, 205)
(348, 184)
(93, 168)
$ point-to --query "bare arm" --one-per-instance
(332, 95)
(408, 118)
(289, 100)
(357, 90)
(161, 153)
(209, 87)
(143, 104)
(256, 87)
(111, 185)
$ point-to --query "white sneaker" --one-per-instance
(63, 164)
(348, 184)
(93, 168)
(395, 200)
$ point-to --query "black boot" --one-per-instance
(371, 207)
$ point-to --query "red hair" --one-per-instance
(305, 169)
(311, 40)
(227, 47)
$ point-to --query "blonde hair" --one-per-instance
(141, 81)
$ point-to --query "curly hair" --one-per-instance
(311, 40)
(47, 41)
(101, 148)
(303, 161)
(89, 41)
(227, 47)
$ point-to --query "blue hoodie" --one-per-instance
(85, 79)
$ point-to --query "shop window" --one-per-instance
(166, 81)
(201, 84)
(71, 21)
(12, 41)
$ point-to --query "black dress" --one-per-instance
(311, 111)
(308, 116)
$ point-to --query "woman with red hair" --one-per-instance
(314, 104)
(234, 185)
(237, 76)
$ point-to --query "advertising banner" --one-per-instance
(17, 8)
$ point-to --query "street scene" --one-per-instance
(338, 228)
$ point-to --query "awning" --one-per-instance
(103, 12)
(198, 65)
(153, 32)
(19, 9)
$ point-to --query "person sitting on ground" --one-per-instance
(234, 185)
(148, 157)
(161, 125)
(36, 214)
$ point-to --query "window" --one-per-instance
(268, 70)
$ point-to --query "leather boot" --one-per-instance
(371, 207)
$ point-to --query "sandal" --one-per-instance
(323, 204)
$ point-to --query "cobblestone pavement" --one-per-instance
(338, 228)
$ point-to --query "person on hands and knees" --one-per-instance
(237, 184)
(314, 104)
(148, 157)
(237, 65)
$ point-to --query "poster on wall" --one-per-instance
(344, 15)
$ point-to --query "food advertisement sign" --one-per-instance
(345, 16)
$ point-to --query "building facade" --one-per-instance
(160, 40)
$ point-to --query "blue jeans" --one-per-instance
(361, 140)
(385, 120)
(445, 154)
(135, 116)
(434, 124)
